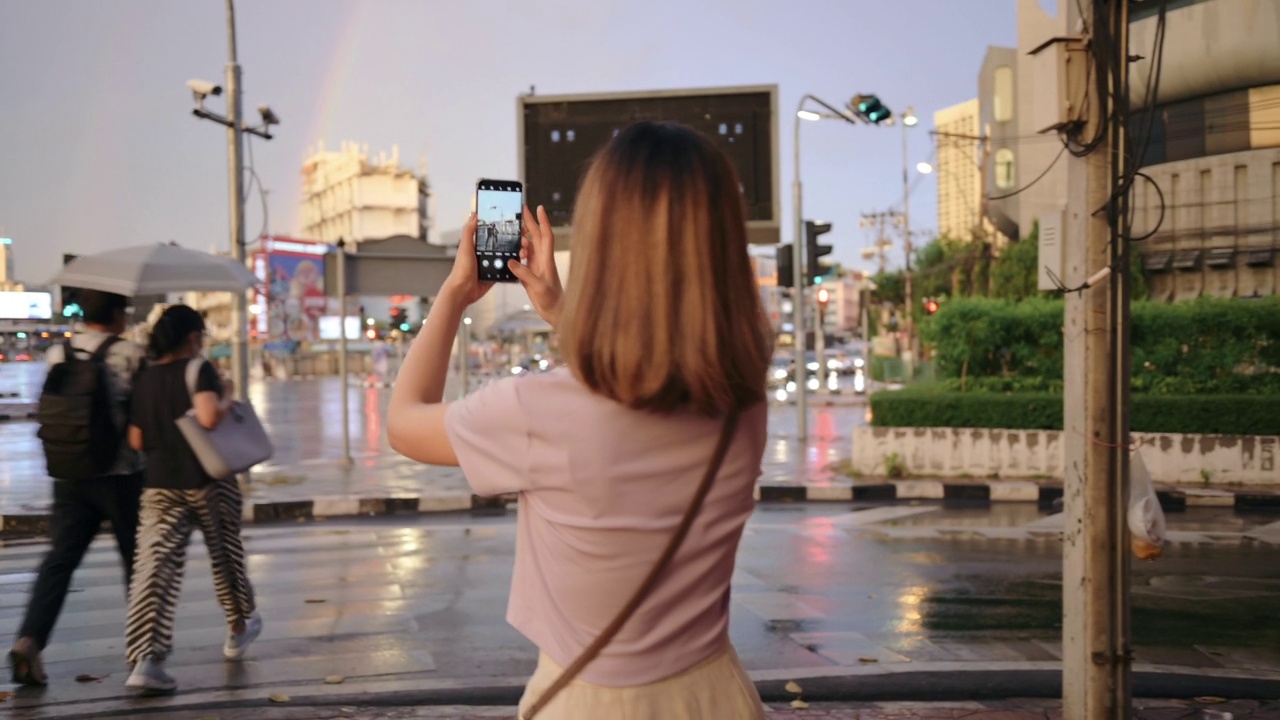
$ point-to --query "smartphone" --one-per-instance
(499, 223)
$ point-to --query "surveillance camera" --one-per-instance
(204, 88)
(268, 117)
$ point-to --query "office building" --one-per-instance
(346, 195)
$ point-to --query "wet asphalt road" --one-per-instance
(421, 600)
(304, 419)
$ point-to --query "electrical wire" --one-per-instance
(1124, 190)
(1039, 177)
(248, 186)
(1151, 233)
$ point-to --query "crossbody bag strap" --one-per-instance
(664, 560)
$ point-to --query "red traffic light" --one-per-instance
(930, 306)
(823, 296)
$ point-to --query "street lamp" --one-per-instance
(924, 168)
(799, 267)
(233, 121)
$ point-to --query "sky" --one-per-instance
(100, 150)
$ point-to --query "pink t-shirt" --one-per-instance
(602, 488)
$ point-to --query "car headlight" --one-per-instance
(859, 362)
(780, 373)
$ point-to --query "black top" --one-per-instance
(160, 397)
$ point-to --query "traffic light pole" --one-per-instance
(798, 269)
(906, 246)
(343, 367)
(820, 346)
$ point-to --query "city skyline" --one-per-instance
(111, 157)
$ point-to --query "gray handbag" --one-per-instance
(237, 443)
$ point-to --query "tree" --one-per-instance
(1015, 273)
(891, 287)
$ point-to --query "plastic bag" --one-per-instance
(1146, 517)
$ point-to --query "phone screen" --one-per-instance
(499, 214)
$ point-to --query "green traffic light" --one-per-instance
(72, 310)
(404, 327)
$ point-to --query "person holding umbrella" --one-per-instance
(97, 475)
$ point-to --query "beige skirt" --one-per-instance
(716, 689)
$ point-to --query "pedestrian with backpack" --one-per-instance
(83, 412)
(179, 497)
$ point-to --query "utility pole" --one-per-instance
(1096, 663)
(235, 168)
(879, 221)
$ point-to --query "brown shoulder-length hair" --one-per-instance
(662, 311)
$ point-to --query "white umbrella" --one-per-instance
(155, 269)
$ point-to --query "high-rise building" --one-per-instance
(346, 195)
(998, 122)
(1208, 210)
(6, 262)
(959, 170)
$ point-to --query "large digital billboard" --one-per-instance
(26, 306)
(559, 134)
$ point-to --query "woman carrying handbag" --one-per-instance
(180, 495)
(636, 463)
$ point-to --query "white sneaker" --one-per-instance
(237, 644)
(149, 675)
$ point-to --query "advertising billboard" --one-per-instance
(295, 298)
(26, 306)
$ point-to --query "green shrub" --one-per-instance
(1206, 414)
(936, 408)
(1210, 345)
(1200, 414)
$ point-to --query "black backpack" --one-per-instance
(77, 425)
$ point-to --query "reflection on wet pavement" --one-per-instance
(303, 418)
(417, 597)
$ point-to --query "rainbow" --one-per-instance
(338, 74)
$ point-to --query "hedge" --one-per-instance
(1210, 345)
(1199, 414)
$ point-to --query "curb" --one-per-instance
(9, 417)
(320, 508)
(995, 491)
(999, 491)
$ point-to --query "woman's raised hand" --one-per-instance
(536, 269)
(464, 278)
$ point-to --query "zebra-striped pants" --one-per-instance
(164, 529)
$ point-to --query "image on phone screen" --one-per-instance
(499, 205)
